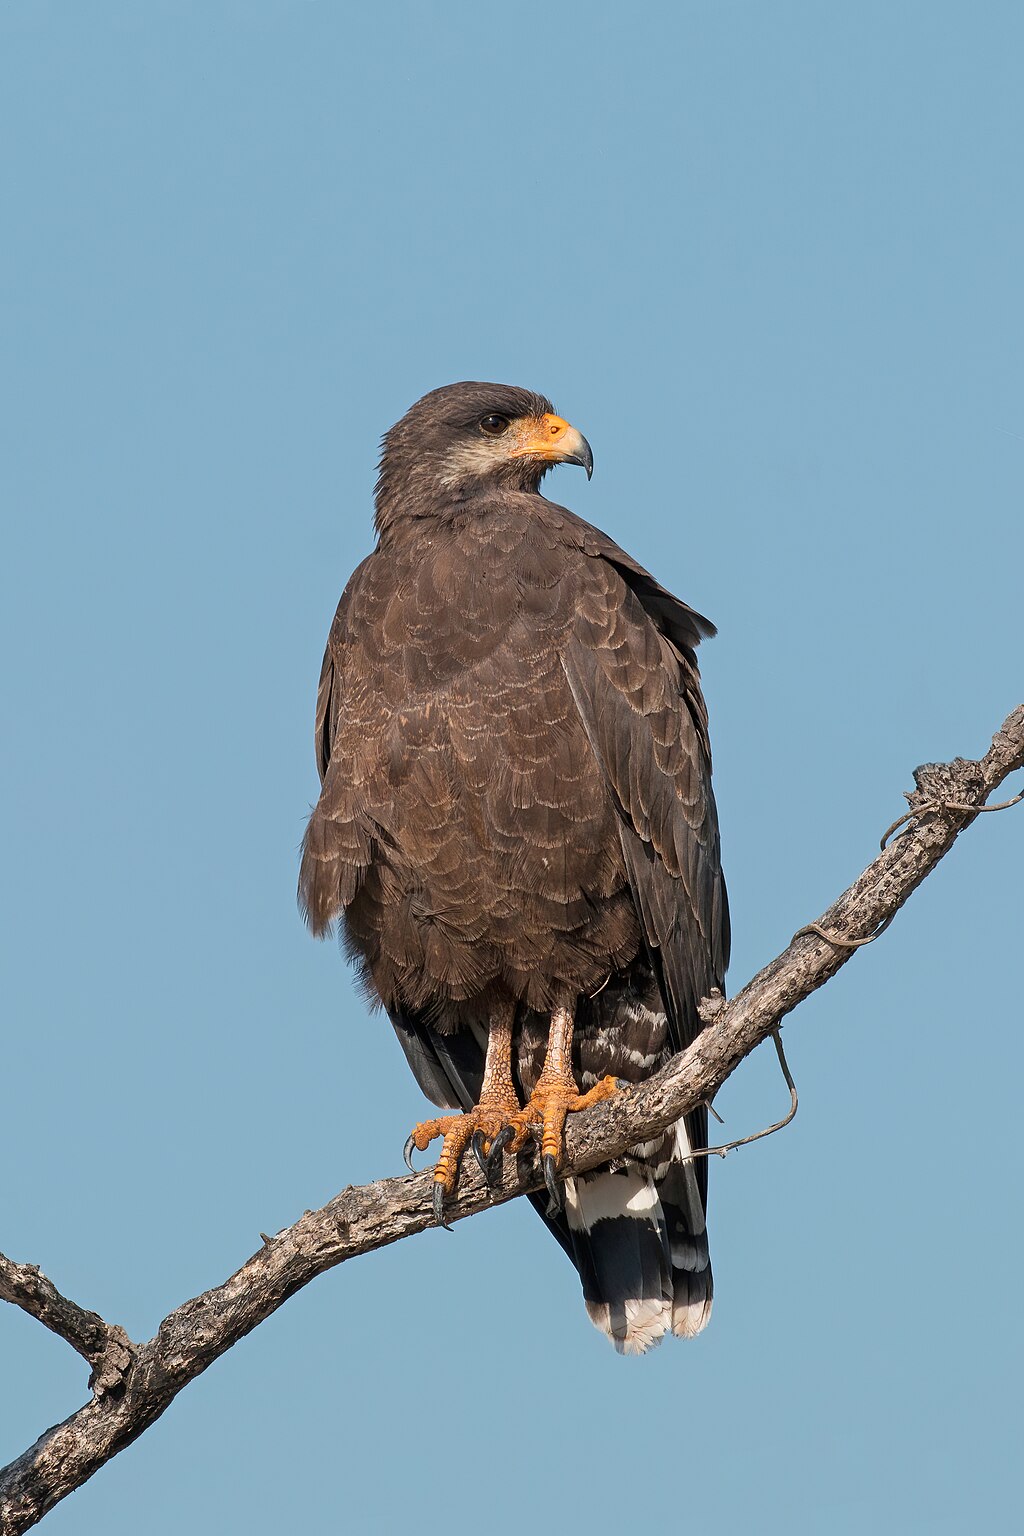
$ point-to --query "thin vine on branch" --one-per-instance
(132, 1383)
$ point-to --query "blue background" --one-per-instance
(768, 258)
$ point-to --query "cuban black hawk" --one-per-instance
(517, 833)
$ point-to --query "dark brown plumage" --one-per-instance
(517, 816)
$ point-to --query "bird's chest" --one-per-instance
(462, 610)
(458, 712)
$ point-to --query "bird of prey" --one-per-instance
(517, 835)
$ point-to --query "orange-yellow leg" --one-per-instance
(482, 1126)
(554, 1097)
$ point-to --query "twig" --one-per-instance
(939, 806)
(359, 1220)
(744, 1141)
(838, 939)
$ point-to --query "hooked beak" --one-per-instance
(550, 438)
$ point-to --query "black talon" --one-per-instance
(498, 1145)
(407, 1154)
(439, 1207)
(554, 1187)
(478, 1152)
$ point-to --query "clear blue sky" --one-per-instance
(768, 258)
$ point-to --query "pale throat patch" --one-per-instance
(472, 459)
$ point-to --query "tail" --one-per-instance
(640, 1243)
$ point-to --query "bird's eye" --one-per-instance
(494, 426)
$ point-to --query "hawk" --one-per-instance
(517, 836)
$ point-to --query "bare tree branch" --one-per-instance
(132, 1384)
(106, 1346)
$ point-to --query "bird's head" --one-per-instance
(465, 439)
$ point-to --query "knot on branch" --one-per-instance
(951, 789)
(112, 1365)
(711, 1006)
(938, 784)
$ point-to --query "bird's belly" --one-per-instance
(497, 863)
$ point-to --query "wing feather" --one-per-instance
(633, 675)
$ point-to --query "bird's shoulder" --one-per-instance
(615, 572)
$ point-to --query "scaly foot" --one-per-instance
(497, 1121)
(554, 1097)
(487, 1127)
